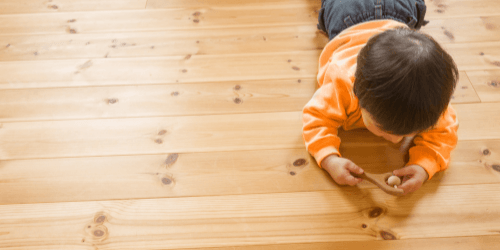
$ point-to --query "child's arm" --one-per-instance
(322, 116)
(433, 147)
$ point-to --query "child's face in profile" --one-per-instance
(374, 128)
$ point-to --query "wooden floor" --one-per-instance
(169, 124)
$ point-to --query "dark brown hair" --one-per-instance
(405, 80)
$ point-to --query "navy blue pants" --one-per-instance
(337, 15)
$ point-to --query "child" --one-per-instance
(378, 72)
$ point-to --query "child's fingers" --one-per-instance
(354, 168)
(404, 171)
(351, 180)
(410, 186)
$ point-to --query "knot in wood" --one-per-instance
(496, 167)
(375, 212)
(166, 181)
(292, 173)
(159, 141)
(237, 100)
(112, 101)
(296, 68)
(237, 87)
(486, 152)
(162, 132)
(299, 162)
(98, 233)
(364, 226)
(171, 159)
(100, 218)
(493, 84)
(387, 236)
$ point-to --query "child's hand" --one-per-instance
(413, 177)
(340, 170)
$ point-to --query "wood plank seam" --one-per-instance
(472, 85)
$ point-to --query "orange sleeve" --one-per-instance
(433, 148)
(325, 113)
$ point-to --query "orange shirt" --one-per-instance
(334, 104)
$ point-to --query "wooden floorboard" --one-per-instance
(437, 211)
(487, 84)
(176, 124)
(437, 9)
(221, 173)
(233, 97)
(153, 135)
(54, 6)
(456, 243)
(162, 43)
(159, 70)
(197, 68)
(148, 44)
(148, 20)
(465, 29)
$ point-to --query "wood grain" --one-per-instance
(475, 56)
(161, 43)
(196, 68)
(78, 138)
(455, 243)
(487, 84)
(149, 20)
(150, 135)
(156, 100)
(167, 4)
(435, 212)
(464, 91)
(220, 173)
(477, 120)
(170, 100)
(51, 6)
(438, 9)
(212, 41)
(466, 29)
(160, 70)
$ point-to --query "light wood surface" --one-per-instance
(53, 6)
(153, 135)
(159, 70)
(487, 84)
(218, 173)
(171, 100)
(176, 124)
(213, 221)
(163, 43)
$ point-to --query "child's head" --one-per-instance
(404, 80)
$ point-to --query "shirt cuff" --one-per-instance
(424, 157)
(325, 152)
